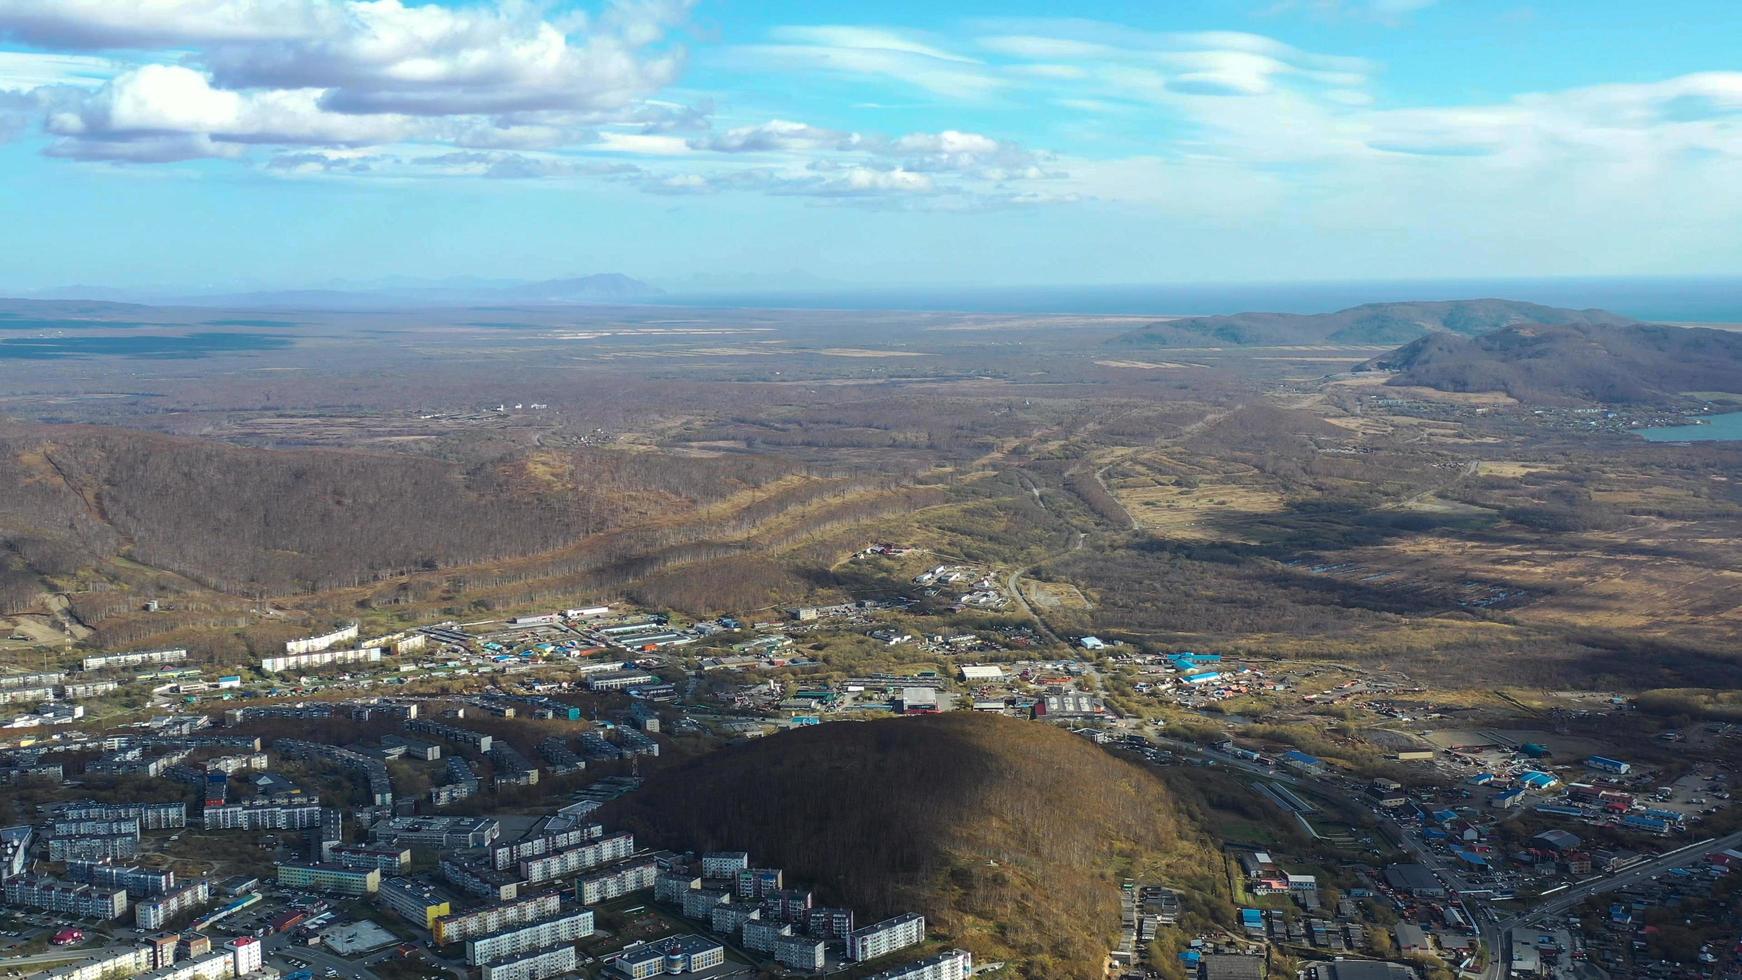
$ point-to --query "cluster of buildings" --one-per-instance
(172, 957)
(757, 909)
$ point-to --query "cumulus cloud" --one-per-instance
(339, 72)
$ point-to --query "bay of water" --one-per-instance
(1717, 428)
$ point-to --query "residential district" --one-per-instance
(436, 842)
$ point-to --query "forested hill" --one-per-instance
(254, 520)
(1010, 836)
(1373, 323)
(1573, 363)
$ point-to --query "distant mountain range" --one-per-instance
(1374, 323)
(606, 288)
(1571, 363)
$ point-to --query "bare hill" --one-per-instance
(1010, 836)
(1373, 323)
(1573, 363)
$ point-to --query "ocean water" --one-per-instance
(1709, 300)
(1718, 428)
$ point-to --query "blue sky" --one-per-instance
(759, 142)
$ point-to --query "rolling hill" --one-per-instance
(1010, 836)
(1573, 363)
(1373, 323)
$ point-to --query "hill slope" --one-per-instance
(1009, 836)
(1573, 363)
(1373, 323)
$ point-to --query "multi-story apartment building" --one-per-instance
(134, 659)
(134, 880)
(521, 939)
(955, 964)
(330, 878)
(673, 955)
(616, 882)
(325, 641)
(612, 847)
(390, 860)
(450, 733)
(413, 901)
(886, 937)
(800, 952)
(93, 847)
(87, 901)
(758, 882)
(760, 936)
(699, 904)
(670, 886)
(262, 815)
(320, 658)
(108, 825)
(617, 680)
(788, 905)
(728, 918)
(114, 963)
(438, 833)
(480, 879)
(495, 918)
(724, 864)
(535, 965)
(505, 856)
(151, 816)
(154, 913)
(829, 923)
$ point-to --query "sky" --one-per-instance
(774, 143)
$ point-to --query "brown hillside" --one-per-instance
(1010, 836)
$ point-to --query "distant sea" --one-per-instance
(1676, 300)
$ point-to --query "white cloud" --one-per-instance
(858, 52)
(22, 71)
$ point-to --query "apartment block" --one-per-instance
(522, 939)
(670, 886)
(135, 881)
(724, 864)
(441, 833)
(761, 936)
(495, 918)
(154, 913)
(414, 902)
(800, 952)
(535, 965)
(613, 847)
(955, 964)
(617, 882)
(334, 878)
(388, 860)
(699, 904)
(85, 901)
(886, 937)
